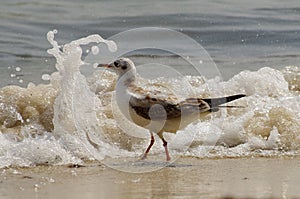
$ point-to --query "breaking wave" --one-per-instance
(74, 118)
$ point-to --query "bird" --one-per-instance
(155, 110)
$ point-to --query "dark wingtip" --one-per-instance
(215, 102)
(233, 97)
(240, 95)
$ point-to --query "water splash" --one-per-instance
(75, 118)
(71, 118)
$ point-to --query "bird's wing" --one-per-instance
(157, 105)
(194, 105)
(190, 105)
(153, 91)
(153, 104)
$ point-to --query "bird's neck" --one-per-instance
(123, 95)
(127, 78)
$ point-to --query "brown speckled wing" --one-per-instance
(154, 108)
(160, 109)
(191, 105)
(156, 105)
(141, 93)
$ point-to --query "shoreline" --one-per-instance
(186, 178)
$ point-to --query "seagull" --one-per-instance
(155, 110)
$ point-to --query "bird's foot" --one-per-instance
(144, 156)
(168, 158)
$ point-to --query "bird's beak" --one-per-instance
(105, 65)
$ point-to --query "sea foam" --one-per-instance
(75, 117)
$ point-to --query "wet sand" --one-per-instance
(185, 178)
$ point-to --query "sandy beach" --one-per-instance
(59, 110)
(185, 178)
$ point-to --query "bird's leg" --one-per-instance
(165, 144)
(149, 147)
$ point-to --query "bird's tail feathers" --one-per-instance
(231, 106)
(216, 102)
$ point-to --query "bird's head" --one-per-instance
(121, 66)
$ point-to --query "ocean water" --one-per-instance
(56, 110)
(238, 35)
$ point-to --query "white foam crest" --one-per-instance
(292, 75)
(264, 82)
(39, 150)
(268, 121)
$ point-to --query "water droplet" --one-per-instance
(136, 180)
(201, 62)
(49, 179)
(95, 50)
(95, 65)
(55, 31)
(73, 173)
(112, 46)
(21, 81)
(12, 75)
(16, 172)
(18, 69)
(46, 77)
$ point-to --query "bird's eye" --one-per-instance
(116, 63)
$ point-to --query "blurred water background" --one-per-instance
(239, 35)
